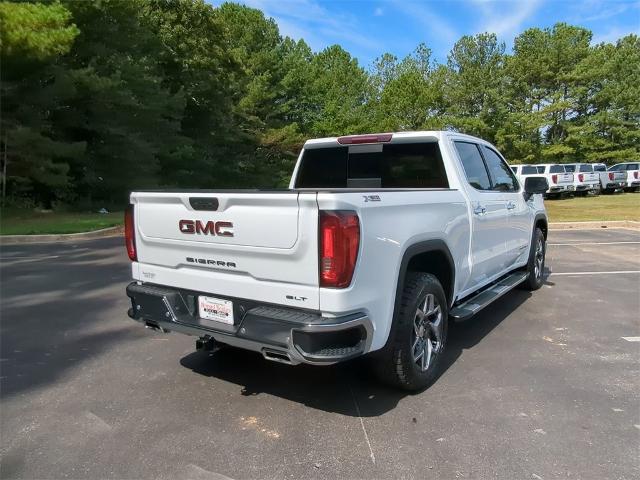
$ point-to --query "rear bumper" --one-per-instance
(586, 187)
(616, 185)
(281, 334)
(561, 188)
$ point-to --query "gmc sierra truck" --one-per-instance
(379, 241)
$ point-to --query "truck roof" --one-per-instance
(395, 137)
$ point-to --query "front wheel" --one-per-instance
(412, 357)
(535, 267)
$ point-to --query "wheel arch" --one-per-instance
(429, 256)
(541, 222)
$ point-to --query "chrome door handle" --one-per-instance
(479, 210)
(511, 205)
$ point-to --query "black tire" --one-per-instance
(537, 258)
(396, 364)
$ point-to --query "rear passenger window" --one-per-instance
(473, 165)
(402, 165)
(501, 176)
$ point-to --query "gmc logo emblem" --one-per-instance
(220, 229)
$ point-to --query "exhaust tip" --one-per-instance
(277, 356)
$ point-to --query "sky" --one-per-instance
(368, 28)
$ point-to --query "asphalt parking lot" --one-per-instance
(536, 387)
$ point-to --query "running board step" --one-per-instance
(470, 307)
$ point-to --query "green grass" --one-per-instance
(30, 222)
(625, 206)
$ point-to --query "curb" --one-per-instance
(61, 237)
(626, 224)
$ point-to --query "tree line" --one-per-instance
(99, 98)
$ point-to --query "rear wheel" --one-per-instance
(413, 355)
(535, 267)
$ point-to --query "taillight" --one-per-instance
(339, 238)
(554, 178)
(611, 175)
(581, 177)
(357, 139)
(635, 175)
(130, 233)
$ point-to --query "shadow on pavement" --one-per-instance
(336, 388)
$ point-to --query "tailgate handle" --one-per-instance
(204, 203)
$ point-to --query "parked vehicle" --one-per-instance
(560, 182)
(523, 172)
(585, 181)
(610, 181)
(632, 170)
(379, 241)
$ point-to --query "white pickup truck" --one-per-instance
(560, 182)
(379, 241)
(585, 180)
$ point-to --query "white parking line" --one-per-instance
(594, 273)
(591, 243)
(631, 339)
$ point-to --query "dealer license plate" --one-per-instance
(211, 308)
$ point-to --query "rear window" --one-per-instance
(407, 165)
(568, 168)
(586, 168)
(529, 170)
(599, 168)
(556, 169)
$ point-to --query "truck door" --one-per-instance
(519, 222)
(488, 216)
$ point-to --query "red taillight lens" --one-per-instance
(339, 237)
(130, 233)
(581, 177)
(635, 175)
(554, 178)
(357, 139)
(611, 175)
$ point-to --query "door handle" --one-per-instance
(511, 205)
(479, 210)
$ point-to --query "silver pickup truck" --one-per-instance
(610, 181)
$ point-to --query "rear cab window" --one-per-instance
(586, 168)
(529, 170)
(373, 166)
(556, 169)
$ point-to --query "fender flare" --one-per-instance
(426, 246)
(536, 219)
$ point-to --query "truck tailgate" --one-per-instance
(259, 245)
(564, 178)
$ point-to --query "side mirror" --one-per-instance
(533, 185)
